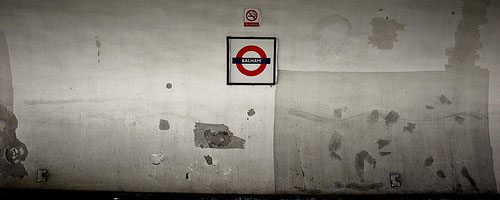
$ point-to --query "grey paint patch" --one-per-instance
(42, 175)
(459, 120)
(358, 186)
(216, 136)
(13, 152)
(428, 161)
(409, 127)
(444, 100)
(384, 153)
(92, 100)
(467, 38)
(465, 173)
(331, 35)
(169, 86)
(338, 113)
(440, 174)
(373, 118)
(359, 163)
(384, 32)
(334, 145)
(6, 88)
(391, 118)
(429, 107)
(251, 112)
(164, 125)
(208, 159)
(383, 143)
(97, 42)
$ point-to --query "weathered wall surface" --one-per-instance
(131, 95)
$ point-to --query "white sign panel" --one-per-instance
(251, 60)
(252, 17)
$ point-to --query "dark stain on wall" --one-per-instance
(383, 143)
(384, 32)
(12, 151)
(208, 159)
(384, 153)
(216, 136)
(164, 125)
(169, 86)
(428, 161)
(337, 113)
(459, 120)
(98, 45)
(465, 173)
(251, 112)
(358, 186)
(373, 118)
(409, 127)
(359, 163)
(391, 118)
(444, 100)
(440, 174)
(429, 107)
(308, 191)
(334, 145)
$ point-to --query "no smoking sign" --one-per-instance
(252, 17)
(251, 60)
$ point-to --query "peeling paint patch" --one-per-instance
(383, 143)
(359, 163)
(384, 32)
(465, 173)
(251, 112)
(459, 120)
(391, 118)
(208, 159)
(395, 179)
(338, 113)
(334, 145)
(358, 186)
(409, 127)
(156, 158)
(14, 151)
(429, 107)
(440, 174)
(164, 125)
(373, 118)
(444, 100)
(428, 161)
(216, 136)
(384, 153)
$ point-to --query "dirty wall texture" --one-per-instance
(127, 95)
(413, 132)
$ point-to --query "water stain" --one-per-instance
(309, 116)
(428, 161)
(459, 120)
(444, 100)
(338, 113)
(334, 145)
(331, 35)
(429, 107)
(208, 159)
(409, 127)
(358, 186)
(164, 125)
(308, 191)
(465, 173)
(384, 32)
(440, 174)
(216, 136)
(359, 163)
(6, 86)
(391, 118)
(251, 112)
(383, 143)
(373, 118)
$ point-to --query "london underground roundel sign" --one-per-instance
(251, 60)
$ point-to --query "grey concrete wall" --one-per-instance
(108, 94)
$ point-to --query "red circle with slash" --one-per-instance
(251, 15)
(259, 51)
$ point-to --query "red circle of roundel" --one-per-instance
(259, 51)
(255, 16)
